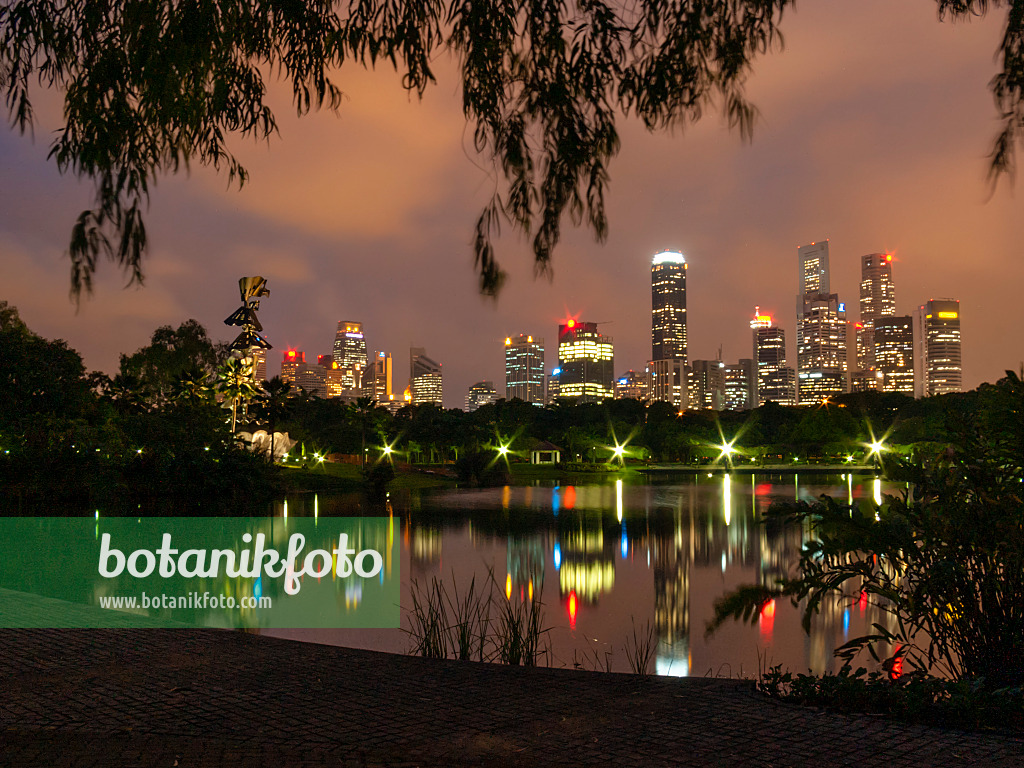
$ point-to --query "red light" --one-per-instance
(862, 603)
(572, 609)
(768, 610)
(888, 257)
(291, 354)
(763, 489)
(767, 618)
(571, 323)
(569, 497)
(896, 670)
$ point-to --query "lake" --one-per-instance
(613, 558)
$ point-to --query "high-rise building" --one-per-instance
(668, 382)
(774, 380)
(820, 330)
(481, 393)
(259, 364)
(349, 345)
(586, 362)
(424, 378)
(894, 353)
(707, 384)
(814, 270)
(937, 360)
(632, 384)
(668, 306)
(350, 353)
(553, 380)
(293, 358)
(377, 381)
(739, 385)
(877, 300)
(524, 369)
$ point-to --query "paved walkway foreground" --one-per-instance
(208, 698)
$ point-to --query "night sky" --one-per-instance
(876, 122)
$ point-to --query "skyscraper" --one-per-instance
(377, 381)
(524, 369)
(774, 380)
(349, 345)
(739, 385)
(668, 382)
(350, 353)
(424, 378)
(877, 300)
(894, 353)
(707, 384)
(668, 306)
(586, 362)
(820, 329)
(290, 363)
(937, 361)
(481, 393)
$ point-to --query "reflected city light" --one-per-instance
(557, 555)
(508, 587)
(572, 610)
(618, 499)
(878, 493)
(849, 491)
(625, 543)
(727, 498)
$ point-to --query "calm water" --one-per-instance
(607, 557)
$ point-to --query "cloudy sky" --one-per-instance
(875, 124)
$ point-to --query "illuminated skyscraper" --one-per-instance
(293, 358)
(707, 384)
(894, 353)
(349, 345)
(820, 329)
(739, 385)
(813, 264)
(774, 380)
(668, 382)
(877, 300)
(377, 381)
(937, 361)
(524, 369)
(350, 353)
(586, 362)
(481, 393)
(668, 306)
(424, 378)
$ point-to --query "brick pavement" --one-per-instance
(208, 698)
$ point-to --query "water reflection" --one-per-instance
(606, 558)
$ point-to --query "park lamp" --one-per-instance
(727, 450)
(876, 447)
(503, 450)
(387, 450)
(618, 452)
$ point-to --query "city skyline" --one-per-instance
(880, 153)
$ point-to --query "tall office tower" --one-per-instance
(481, 393)
(259, 363)
(774, 380)
(424, 378)
(739, 385)
(707, 384)
(632, 384)
(668, 382)
(293, 358)
(937, 363)
(814, 274)
(377, 381)
(820, 329)
(877, 300)
(524, 369)
(586, 362)
(894, 353)
(668, 306)
(349, 345)
(350, 353)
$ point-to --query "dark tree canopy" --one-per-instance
(151, 86)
